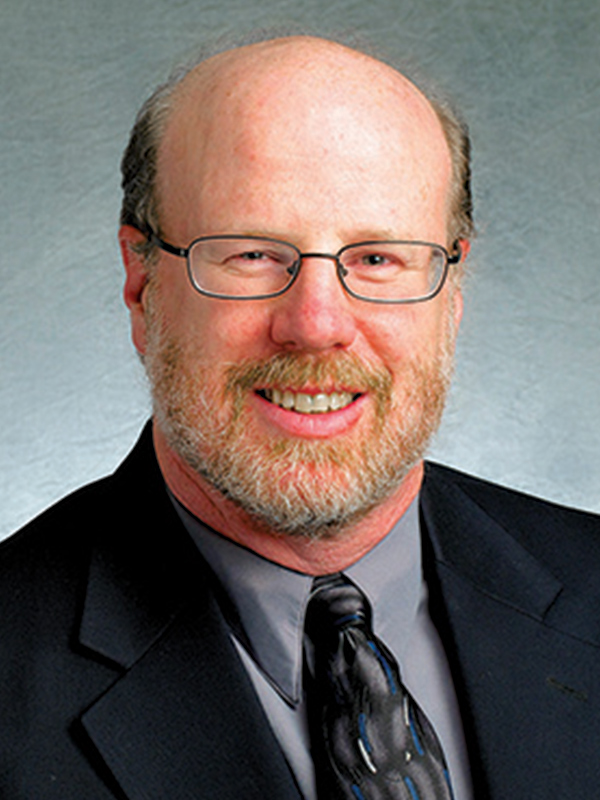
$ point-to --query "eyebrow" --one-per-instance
(360, 235)
(377, 234)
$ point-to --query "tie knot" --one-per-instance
(335, 604)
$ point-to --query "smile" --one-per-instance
(308, 403)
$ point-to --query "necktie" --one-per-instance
(370, 739)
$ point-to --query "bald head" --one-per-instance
(291, 68)
(287, 99)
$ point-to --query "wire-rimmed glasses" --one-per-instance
(237, 267)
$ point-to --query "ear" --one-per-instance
(136, 280)
(465, 247)
(457, 307)
(457, 300)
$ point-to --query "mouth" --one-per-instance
(303, 403)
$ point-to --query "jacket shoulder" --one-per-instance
(566, 539)
(59, 520)
(497, 498)
(77, 516)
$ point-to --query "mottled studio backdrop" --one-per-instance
(525, 410)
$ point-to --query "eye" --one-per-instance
(252, 255)
(253, 259)
(375, 259)
(367, 259)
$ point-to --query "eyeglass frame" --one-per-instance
(184, 252)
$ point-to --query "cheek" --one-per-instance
(401, 334)
(221, 332)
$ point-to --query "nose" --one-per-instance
(316, 313)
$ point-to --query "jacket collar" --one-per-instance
(516, 637)
(466, 539)
(494, 546)
(182, 721)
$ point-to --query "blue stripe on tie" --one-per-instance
(449, 782)
(362, 729)
(348, 618)
(412, 789)
(385, 665)
(357, 792)
(413, 731)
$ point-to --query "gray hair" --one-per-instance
(141, 205)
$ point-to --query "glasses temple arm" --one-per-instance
(182, 252)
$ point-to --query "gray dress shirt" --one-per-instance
(265, 609)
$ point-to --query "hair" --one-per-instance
(139, 166)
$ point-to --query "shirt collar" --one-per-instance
(265, 603)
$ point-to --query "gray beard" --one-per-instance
(310, 489)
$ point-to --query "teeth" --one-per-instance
(308, 403)
(304, 404)
(320, 403)
(337, 401)
(288, 400)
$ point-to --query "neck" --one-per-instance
(313, 557)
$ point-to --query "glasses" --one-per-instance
(256, 268)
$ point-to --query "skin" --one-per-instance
(303, 140)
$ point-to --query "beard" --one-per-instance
(303, 488)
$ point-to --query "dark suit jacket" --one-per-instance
(118, 679)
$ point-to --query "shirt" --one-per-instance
(265, 607)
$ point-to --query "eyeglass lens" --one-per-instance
(238, 267)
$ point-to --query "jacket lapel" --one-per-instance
(525, 673)
(183, 720)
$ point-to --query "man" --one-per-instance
(295, 222)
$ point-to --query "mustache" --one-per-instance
(331, 371)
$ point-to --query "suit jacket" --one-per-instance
(119, 680)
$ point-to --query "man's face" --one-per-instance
(321, 166)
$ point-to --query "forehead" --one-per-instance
(308, 115)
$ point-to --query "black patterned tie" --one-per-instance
(370, 739)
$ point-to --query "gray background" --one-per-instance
(524, 410)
